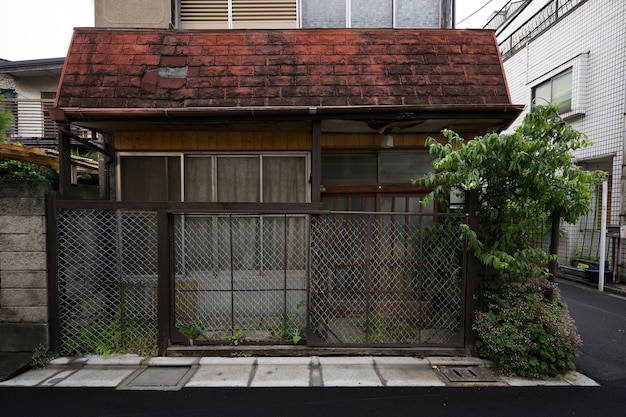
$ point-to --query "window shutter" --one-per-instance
(277, 14)
(244, 14)
(204, 14)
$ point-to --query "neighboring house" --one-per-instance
(570, 52)
(29, 88)
(259, 180)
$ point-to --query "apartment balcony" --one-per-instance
(31, 124)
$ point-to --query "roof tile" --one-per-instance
(304, 67)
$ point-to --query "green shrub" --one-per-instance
(127, 331)
(525, 329)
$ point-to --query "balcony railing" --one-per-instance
(31, 124)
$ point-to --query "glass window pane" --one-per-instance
(198, 178)
(542, 94)
(349, 168)
(324, 14)
(371, 13)
(562, 91)
(238, 179)
(150, 178)
(403, 166)
(284, 179)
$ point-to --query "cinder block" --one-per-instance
(22, 224)
(24, 314)
(22, 337)
(24, 188)
(22, 261)
(23, 279)
(23, 242)
(23, 206)
(23, 297)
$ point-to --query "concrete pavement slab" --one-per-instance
(97, 377)
(172, 361)
(31, 378)
(115, 360)
(407, 372)
(58, 377)
(282, 372)
(580, 380)
(222, 372)
(349, 371)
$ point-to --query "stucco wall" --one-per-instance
(133, 13)
(23, 272)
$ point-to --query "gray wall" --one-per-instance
(23, 273)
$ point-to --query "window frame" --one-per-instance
(551, 82)
(231, 20)
(214, 158)
(578, 66)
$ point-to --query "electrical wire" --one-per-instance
(482, 7)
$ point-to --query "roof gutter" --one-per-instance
(407, 112)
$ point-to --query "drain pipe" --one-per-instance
(605, 188)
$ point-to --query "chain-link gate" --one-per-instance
(242, 276)
(107, 281)
(386, 279)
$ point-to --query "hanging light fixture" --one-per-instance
(387, 141)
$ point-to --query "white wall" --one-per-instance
(592, 39)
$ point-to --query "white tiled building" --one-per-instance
(573, 52)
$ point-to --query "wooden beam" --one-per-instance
(46, 157)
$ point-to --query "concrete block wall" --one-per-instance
(23, 269)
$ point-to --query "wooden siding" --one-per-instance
(151, 141)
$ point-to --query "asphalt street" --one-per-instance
(601, 322)
(323, 401)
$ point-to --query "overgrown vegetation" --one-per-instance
(191, 330)
(291, 325)
(525, 330)
(42, 356)
(523, 179)
(127, 331)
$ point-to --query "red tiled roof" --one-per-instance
(163, 69)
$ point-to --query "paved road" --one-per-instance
(601, 322)
(324, 402)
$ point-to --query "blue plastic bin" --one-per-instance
(593, 275)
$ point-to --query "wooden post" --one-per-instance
(52, 249)
(316, 161)
(65, 167)
(554, 244)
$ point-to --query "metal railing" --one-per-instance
(332, 279)
(545, 18)
(31, 124)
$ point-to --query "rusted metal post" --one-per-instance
(165, 281)
(472, 208)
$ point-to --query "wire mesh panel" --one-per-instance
(107, 281)
(386, 279)
(241, 273)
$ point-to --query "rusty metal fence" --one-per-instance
(242, 276)
(386, 279)
(107, 269)
(334, 279)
